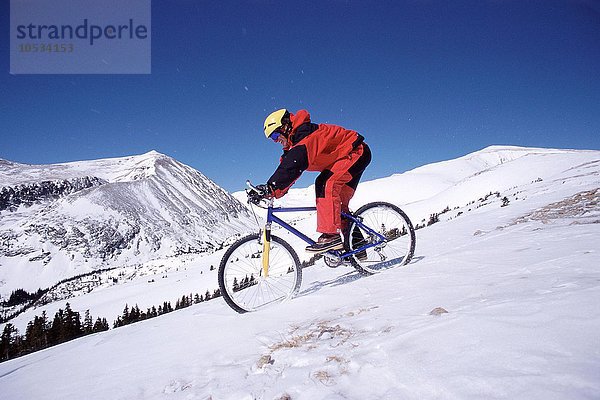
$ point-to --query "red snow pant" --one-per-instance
(335, 187)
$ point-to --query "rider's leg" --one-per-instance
(328, 187)
(335, 187)
(329, 198)
(356, 170)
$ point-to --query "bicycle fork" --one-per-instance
(266, 249)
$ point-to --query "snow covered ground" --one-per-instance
(515, 291)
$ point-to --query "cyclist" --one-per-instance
(339, 154)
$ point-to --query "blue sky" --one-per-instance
(422, 80)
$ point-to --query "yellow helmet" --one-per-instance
(275, 120)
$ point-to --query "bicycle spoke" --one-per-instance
(241, 274)
(390, 222)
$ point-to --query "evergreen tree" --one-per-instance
(18, 296)
(55, 333)
(30, 337)
(433, 218)
(72, 324)
(88, 323)
(135, 314)
(100, 325)
(125, 315)
(45, 326)
(7, 342)
(167, 307)
(36, 334)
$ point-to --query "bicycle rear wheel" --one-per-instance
(389, 221)
(241, 279)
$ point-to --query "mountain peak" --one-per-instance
(154, 154)
(118, 169)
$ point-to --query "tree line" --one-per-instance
(42, 333)
(28, 300)
(134, 314)
(67, 325)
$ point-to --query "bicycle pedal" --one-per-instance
(332, 261)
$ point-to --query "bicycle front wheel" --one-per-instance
(241, 279)
(388, 221)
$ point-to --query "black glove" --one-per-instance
(260, 192)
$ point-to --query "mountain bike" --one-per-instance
(262, 269)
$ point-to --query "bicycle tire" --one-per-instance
(240, 274)
(387, 220)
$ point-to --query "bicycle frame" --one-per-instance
(272, 218)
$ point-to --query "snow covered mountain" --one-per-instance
(500, 301)
(62, 220)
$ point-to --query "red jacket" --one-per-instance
(314, 147)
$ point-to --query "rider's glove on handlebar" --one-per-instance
(261, 192)
(265, 190)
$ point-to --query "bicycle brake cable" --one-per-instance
(255, 217)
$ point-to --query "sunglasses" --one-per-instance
(275, 136)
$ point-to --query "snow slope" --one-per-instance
(453, 183)
(520, 285)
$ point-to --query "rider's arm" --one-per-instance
(292, 164)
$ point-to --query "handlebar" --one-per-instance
(251, 186)
(266, 202)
